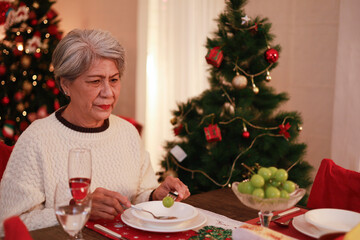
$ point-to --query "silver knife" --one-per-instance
(110, 232)
(280, 215)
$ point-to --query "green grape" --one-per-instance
(241, 186)
(272, 192)
(274, 183)
(289, 186)
(247, 188)
(273, 170)
(265, 173)
(257, 181)
(281, 175)
(284, 194)
(168, 201)
(259, 192)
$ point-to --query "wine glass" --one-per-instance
(268, 205)
(79, 166)
(72, 207)
(79, 172)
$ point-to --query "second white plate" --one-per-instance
(300, 224)
(333, 219)
(128, 218)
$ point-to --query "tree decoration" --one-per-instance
(212, 164)
(212, 133)
(214, 56)
(178, 129)
(271, 55)
(28, 35)
(284, 130)
(239, 81)
(268, 77)
(8, 130)
(5, 100)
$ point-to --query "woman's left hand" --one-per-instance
(171, 184)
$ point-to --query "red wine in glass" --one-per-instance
(79, 188)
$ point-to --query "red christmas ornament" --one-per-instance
(56, 91)
(8, 129)
(50, 83)
(178, 129)
(18, 96)
(5, 100)
(56, 104)
(271, 55)
(23, 125)
(212, 133)
(32, 15)
(51, 14)
(284, 129)
(33, 22)
(37, 55)
(52, 29)
(246, 134)
(4, 7)
(214, 56)
(2, 70)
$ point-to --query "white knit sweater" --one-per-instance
(39, 161)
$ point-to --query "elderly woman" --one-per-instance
(88, 65)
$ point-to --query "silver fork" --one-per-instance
(173, 195)
(156, 217)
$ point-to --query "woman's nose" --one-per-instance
(106, 90)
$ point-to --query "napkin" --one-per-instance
(335, 187)
(15, 229)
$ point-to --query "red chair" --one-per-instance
(5, 152)
(15, 229)
(335, 187)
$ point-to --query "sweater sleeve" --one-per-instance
(148, 180)
(21, 188)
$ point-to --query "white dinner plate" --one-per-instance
(128, 218)
(334, 219)
(300, 224)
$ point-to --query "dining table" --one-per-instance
(220, 201)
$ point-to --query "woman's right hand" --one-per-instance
(107, 204)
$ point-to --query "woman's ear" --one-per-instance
(64, 85)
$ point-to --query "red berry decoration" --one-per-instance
(37, 55)
(50, 83)
(5, 100)
(56, 91)
(52, 29)
(2, 70)
(271, 55)
(246, 134)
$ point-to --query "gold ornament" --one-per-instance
(173, 120)
(36, 5)
(20, 107)
(27, 86)
(25, 61)
(229, 108)
(300, 128)
(256, 90)
(268, 77)
(199, 110)
(239, 81)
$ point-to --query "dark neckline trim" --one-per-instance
(78, 128)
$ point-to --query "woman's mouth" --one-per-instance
(105, 107)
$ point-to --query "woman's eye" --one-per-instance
(94, 81)
(114, 79)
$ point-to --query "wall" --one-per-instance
(346, 127)
(120, 18)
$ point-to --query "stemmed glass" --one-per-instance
(79, 172)
(268, 205)
(72, 207)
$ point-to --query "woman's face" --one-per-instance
(93, 94)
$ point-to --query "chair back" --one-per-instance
(15, 229)
(335, 187)
(5, 152)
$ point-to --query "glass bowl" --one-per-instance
(267, 205)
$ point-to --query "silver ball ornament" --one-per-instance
(239, 82)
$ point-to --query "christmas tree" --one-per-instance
(28, 36)
(237, 120)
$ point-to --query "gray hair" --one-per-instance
(77, 51)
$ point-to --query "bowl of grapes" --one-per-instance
(268, 190)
